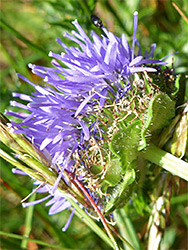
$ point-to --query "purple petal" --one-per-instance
(59, 206)
(31, 203)
(69, 221)
(83, 104)
(136, 61)
(134, 32)
(85, 130)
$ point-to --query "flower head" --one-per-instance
(62, 116)
(99, 68)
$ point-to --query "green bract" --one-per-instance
(125, 143)
(120, 194)
(160, 112)
(128, 142)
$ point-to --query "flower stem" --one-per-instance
(99, 214)
(88, 221)
(169, 162)
(126, 229)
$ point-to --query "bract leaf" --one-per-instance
(159, 114)
(120, 194)
(125, 142)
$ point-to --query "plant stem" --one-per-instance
(28, 223)
(42, 243)
(127, 229)
(169, 162)
(99, 214)
(88, 221)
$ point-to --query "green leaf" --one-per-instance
(113, 173)
(42, 243)
(160, 111)
(180, 85)
(127, 228)
(168, 131)
(120, 194)
(125, 142)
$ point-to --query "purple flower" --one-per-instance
(102, 66)
(61, 116)
(57, 202)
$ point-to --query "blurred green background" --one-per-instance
(28, 32)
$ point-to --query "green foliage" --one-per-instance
(28, 32)
(125, 144)
(120, 193)
(113, 173)
(159, 114)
